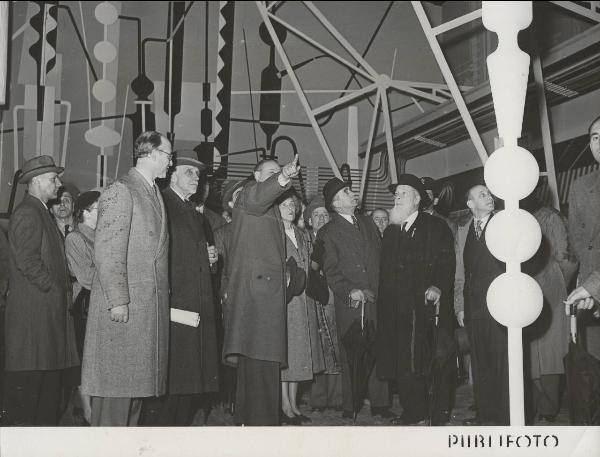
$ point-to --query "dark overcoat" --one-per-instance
(131, 256)
(193, 357)
(3, 266)
(351, 261)
(255, 317)
(410, 263)
(39, 329)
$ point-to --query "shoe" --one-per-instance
(303, 418)
(440, 418)
(285, 420)
(472, 421)
(381, 411)
(347, 415)
(406, 419)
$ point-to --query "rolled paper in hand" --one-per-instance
(184, 317)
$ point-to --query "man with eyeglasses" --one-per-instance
(126, 343)
(39, 331)
(193, 356)
(351, 253)
(414, 309)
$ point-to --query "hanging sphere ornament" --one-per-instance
(515, 299)
(511, 173)
(513, 235)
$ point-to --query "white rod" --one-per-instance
(416, 92)
(322, 48)
(388, 137)
(515, 376)
(282, 55)
(457, 22)
(363, 181)
(345, 99)
(447, 73)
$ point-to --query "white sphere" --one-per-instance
(515, 299)
(513, 235)
(511, 173)
(106, 13)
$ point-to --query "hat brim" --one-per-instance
(26, 177)
(188, 161)
(227, 196)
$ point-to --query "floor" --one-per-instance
(464, 398)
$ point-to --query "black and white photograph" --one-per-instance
(289, 228)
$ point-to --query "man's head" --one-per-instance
(62, 207)
(381, 218)
(186, 175)
(315, 213)
(409, 197)
(429, 186)
(480, 201)
(153, 153)
(594, 132)
(339, 196)
(41, 176)
(265, 169)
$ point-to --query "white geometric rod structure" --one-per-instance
(3, 50)
(513, 235)
(378, 83)
(431, 36)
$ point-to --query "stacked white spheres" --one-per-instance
(515, 299)
(511, 173)
(513, 235)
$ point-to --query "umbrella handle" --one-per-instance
(573, 313)
(362, 315)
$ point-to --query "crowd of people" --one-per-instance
(134, 302)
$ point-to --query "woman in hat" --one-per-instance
(305, 355)
(79, 248)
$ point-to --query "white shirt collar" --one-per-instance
(148, 179)
(410, 220)
(178, 194)
(483, 220)
(348, 217)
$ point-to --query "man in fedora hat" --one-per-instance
(125, 353)
(351, 250)
(40, 338)
(416, 279)
(193, 357)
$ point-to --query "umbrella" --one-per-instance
(440, 374)
(358, 343)
(583, 381)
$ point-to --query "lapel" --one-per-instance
(153, 197)
(184, 210)
(593, 201)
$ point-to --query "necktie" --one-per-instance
(478, 229)
(404, 224)
(354, 221)
(67, 229)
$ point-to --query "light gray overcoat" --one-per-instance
(131, 256)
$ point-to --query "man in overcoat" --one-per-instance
(415, 286)
(193, 357)
(476, 268)
(584, 232)
(39, 331)
(352, 246)
(256, 315)
(126, 341)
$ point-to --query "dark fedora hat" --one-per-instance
(414, 182)
(38, 166)
(332, 187)
(188, 157)
(229, 189)
(429, 183)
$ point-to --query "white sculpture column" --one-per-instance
(511, 173)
